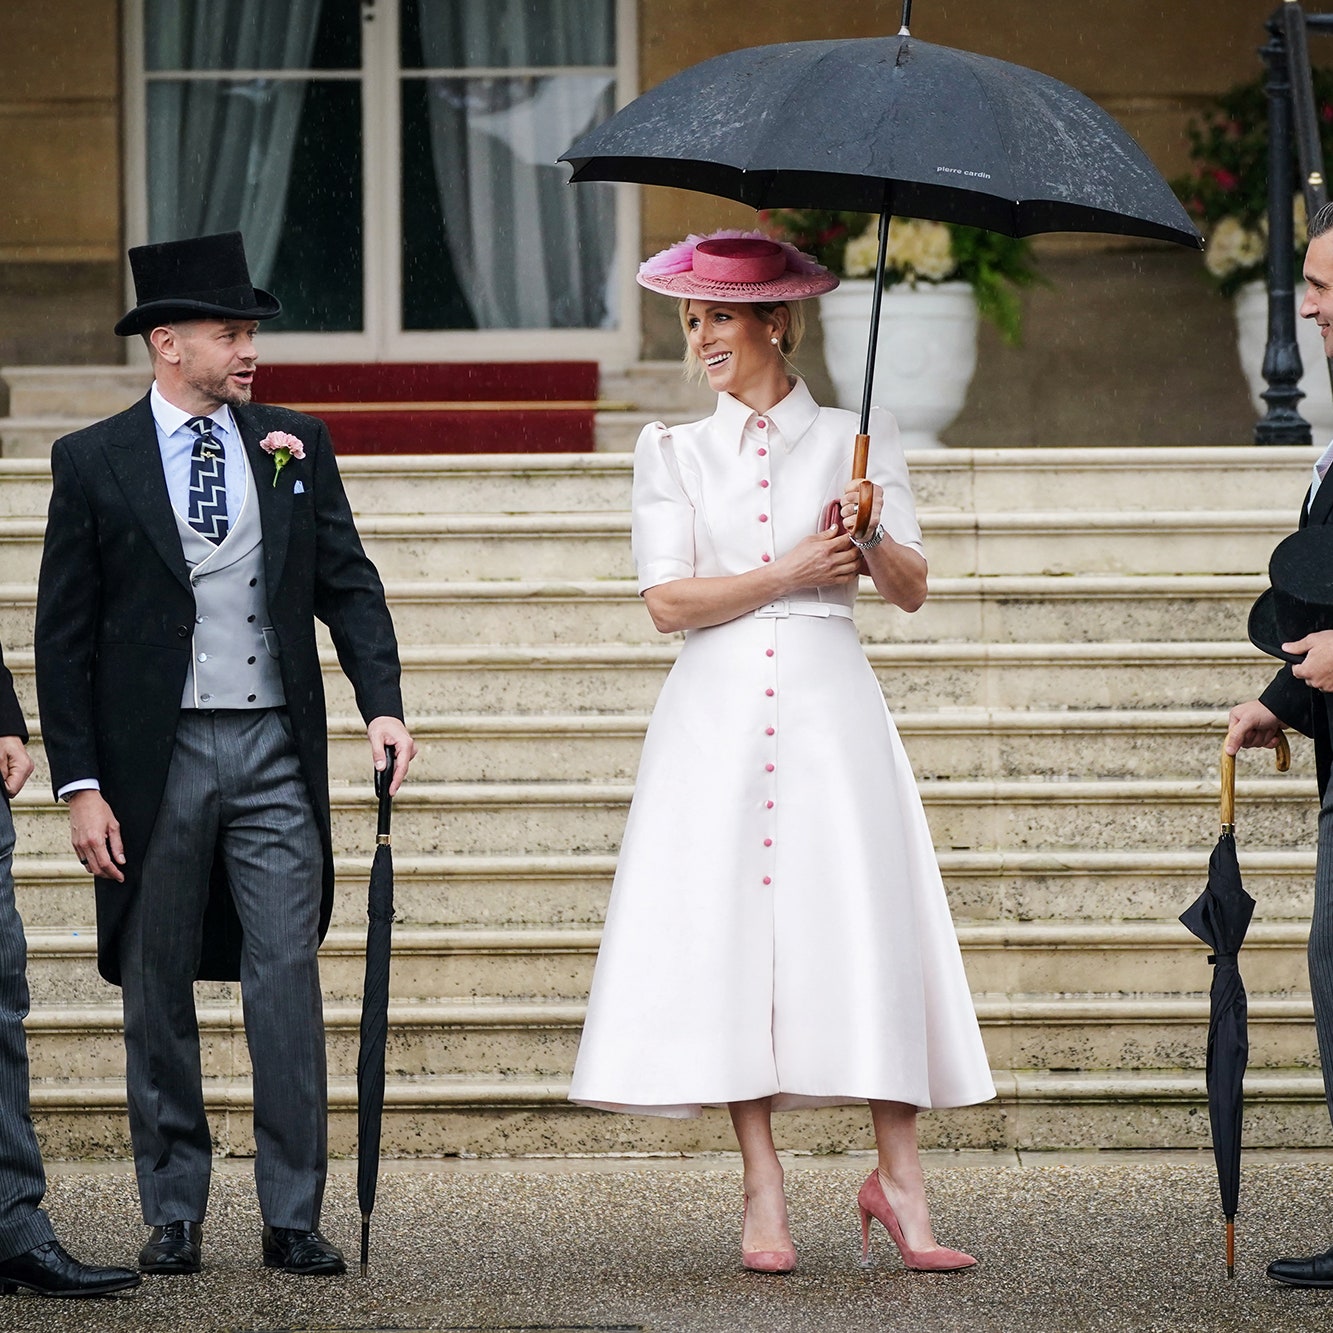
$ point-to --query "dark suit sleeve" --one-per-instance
(68, 602)
(1293, 701)
(349, 596)
(11, 714)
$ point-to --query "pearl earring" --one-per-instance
(774, 341)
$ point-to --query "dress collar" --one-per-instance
(791, 417)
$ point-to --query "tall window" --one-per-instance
(391, 163)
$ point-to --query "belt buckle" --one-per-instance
(774, 610)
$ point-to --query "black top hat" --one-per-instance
(1300, 602)
(205, 277)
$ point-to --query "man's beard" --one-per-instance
(220, 389)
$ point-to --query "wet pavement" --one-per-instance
(1095, 1241)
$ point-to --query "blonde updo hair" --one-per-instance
(791, 338)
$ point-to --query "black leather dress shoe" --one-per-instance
(302, 1252)
(50, 1271)
(1316, 1271)
(173, 1248)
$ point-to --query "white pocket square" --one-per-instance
(298, 488)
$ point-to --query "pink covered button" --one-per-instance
(768, 652)
(769, 693)
(766, 557)
(768, 731)
(762, 452)
(768, 805)
(768, 768)
(768, 842)
(761, 423)
(768, 879)
(764, 483)
(763, 518)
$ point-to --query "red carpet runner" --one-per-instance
(443, 407)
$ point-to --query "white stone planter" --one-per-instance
(1252, 333)
(925, 358)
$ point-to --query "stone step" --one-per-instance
(1031, 608)
(963, 480)
(597, 546)
(1014, 959)
(550, 818)
(506, 1039)
(439, 1117)
(1080, 887)
(76, 391)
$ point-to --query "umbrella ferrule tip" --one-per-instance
(903, 31)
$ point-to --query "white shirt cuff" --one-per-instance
(83, 784)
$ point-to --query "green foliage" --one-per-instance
(996, 266)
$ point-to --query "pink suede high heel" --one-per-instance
(765, 1261)
(872, 1203)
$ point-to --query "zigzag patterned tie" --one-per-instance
(208, 484)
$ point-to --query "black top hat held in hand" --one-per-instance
(205, 277)
(1300, 601)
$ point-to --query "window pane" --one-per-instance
(252, 34)
(496, 34)
(278, 160)
(516, 247)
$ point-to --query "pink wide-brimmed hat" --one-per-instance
(735, 266)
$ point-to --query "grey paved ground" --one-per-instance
(1097, 1242)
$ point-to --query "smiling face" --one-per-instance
(1318, 302)
(734, 345)
(206, 362)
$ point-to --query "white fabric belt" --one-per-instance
(782, 608)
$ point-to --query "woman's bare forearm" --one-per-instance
(699, 602)
(899, 573)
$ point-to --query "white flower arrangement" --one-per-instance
(917, 251)
(1234, 246)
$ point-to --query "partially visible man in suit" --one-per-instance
(191, 543)
(30, 1256)
(1301, 697)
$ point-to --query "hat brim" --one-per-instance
(1263, 629)
(785, 287)
(152, 313)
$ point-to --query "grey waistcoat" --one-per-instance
(234, 651)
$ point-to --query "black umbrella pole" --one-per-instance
(861, 454)
(907, 19)
(365, 1243)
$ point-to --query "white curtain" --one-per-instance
(220, 151)
(529, 250)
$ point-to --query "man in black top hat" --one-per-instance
(1294, 621)
(30, 1256)
(192, 542)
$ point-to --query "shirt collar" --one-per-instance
(171, 418)
(792, 417)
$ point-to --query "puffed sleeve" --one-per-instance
(663, 517)
(888, 468)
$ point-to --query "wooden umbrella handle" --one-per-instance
(865, 502)
(1282, 760)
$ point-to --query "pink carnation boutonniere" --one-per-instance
(283, 447)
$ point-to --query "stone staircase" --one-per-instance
(1062, 697)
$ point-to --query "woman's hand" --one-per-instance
(819, 561)
(850, 501)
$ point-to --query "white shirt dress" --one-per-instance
(777, 926)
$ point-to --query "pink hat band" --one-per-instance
(739, 261)
(735, 266)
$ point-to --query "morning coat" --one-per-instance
(113, 633)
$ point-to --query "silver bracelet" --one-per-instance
(874, 540)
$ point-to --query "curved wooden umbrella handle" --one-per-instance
(1282, 760)
(865, 502)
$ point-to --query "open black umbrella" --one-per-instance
(888, 125)
(374, 1011)
(1220, 916)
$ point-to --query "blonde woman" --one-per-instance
(777, 936)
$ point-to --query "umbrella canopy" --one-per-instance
(1220, 916)
(889, 123)
(374, 1011)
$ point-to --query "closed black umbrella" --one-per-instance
(888, 125)
(1220, 916)
(374, 1011)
